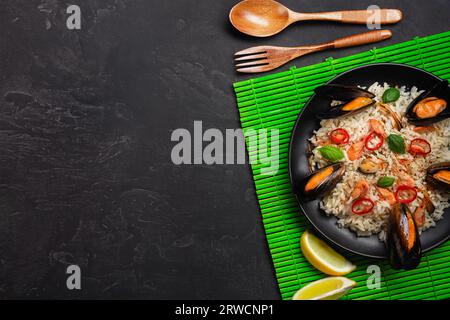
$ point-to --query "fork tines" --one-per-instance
(251, 60)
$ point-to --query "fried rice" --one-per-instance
(401, 166)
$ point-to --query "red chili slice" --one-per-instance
(372, 136)
(339, 136)
(419, 147)
(362, 206)
(405, 194)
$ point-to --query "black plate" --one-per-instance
(393, 74)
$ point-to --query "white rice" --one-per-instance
(338, 202)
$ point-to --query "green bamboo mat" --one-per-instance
(273, 102)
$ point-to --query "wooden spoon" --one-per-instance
(263, 18)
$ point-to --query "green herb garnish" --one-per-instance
(385, 182)
(391, 95)
(332, 153)
(396, 143)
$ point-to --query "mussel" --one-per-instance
(431, 106)
(438, 176)
(352, 100)
(397, 123)
(310, 157)
(403, 241)
(320, 182)
(369, 166)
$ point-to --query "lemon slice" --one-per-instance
(323, 257)
(331, 288)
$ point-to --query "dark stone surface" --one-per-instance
(85, 124)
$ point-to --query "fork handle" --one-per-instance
(362, 38)
(385, 16)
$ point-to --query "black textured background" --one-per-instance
(85, 124)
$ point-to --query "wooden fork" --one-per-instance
(265, 58)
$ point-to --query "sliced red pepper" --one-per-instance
(405, 194)
(339, 136)
(362, 206)
(369, 141)
(419, 146)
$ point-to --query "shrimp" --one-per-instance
(387, 195)
(407, 180)
(403, 177)
(377, 126)
(424, 129)
(322, 142)
(419, 215)
(361, 189)
(404, 162)
(356, 150)
(425, 206)
(428, 203)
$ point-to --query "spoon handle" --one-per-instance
(382, 16)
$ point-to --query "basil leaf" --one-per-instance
(385, 182)
(331, 153)
(391, 95)
(396, 143)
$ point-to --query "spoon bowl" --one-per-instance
(260, 18)
(264, 18)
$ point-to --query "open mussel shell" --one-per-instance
(342, 93)
(403, 241)
(397, 122)
(353, 99)
(320, 182)
(438, 176)
(312, 166)
(431, 106)
(369, 166)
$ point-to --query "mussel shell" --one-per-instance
(431, 180)
(404, 252)
(369, 166)
(397, 122)
(336, 111)
(310, 157)
(442, 91)
(325, 186)
(342, 93)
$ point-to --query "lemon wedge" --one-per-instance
(323, 257)
(331, 288)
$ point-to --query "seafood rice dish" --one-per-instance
(381, 150)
